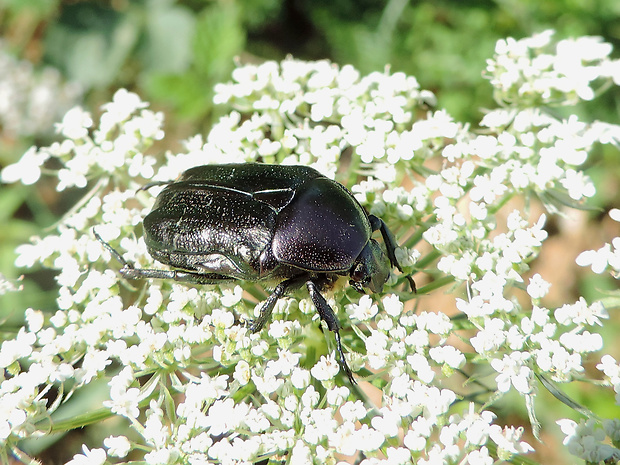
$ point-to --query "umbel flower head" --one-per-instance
(189, 380)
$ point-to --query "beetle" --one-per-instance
(286, 225)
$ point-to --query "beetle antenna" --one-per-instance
(146, 187)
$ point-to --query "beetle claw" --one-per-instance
(357, 286)
(414, 289)
(248, 323)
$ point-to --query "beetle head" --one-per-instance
(371, 269)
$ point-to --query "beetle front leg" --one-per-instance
(378, 224)
(328, 316)
(267, 308)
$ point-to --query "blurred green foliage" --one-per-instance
(173, 52)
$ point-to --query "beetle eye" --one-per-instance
(360, 278)
(357, 275)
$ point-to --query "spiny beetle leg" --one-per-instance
(267, 308)
(343, 361)
(129, 271)
(378, 224)
(328, 316)
(119, 258)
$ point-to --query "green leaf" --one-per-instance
(218, 38)
(557, 198)
(531, 413)
(559, 395)
(41, 8)
(612, 300)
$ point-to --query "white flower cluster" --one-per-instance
(7, 285)
(322, 109)
(524, 150)
(212, 427)
(607, 258)
(31, 101)
(275, 394)
(536, 71)
(125, 131)
(586, 439)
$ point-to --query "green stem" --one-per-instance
(417, 236)
(428, 259)
(493, 210)
(436, 285)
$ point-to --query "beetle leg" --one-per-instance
(328, 316)
(378, 224)
(129, 271)
(267, 308)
